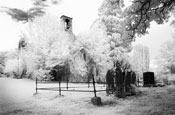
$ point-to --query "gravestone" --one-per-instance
(148, 79)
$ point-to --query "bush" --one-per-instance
(11, 67)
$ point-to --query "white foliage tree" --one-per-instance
(140, 58)
(48, 44)
(12, 67)
(166, 57)
(95, 44)
(111, 16)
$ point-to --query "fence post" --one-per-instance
(67, 82)
(94, 86)
(104, 85)
(59, 87)
(36, 88)
(138, 82)
(88, 81)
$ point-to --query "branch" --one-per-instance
(144, 13)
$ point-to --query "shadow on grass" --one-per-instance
(140, 94)
(109, 103)
(17, 112)
(116, 101)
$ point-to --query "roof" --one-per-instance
(63, 16)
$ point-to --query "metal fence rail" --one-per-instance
(53, 89)
(67, 88)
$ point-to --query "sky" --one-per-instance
(83, 12)
(158, 34)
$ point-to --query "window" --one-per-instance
(67, 24)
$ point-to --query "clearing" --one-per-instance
(16, 98)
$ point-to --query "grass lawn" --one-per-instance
(17, 98)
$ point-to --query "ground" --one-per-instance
(17, 97)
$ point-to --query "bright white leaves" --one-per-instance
(48, 43)
(140, 58)
(95, 45)
(12, 65)
(166, 58)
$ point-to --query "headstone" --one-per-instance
(148, 79)
(110, 82)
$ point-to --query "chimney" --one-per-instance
(66, 22)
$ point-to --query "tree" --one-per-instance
(48, 44)
(146, 58)
(142, 12)
(10, 64)
(137, 17)
(95, 48)
(111, 16)
(165, 59)
(140, 58)
(3, 58)
(98, 50)
(45, 3)
(38, 9)
(24, 16)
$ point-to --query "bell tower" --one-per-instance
(66, 22)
